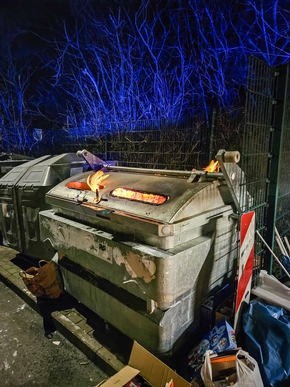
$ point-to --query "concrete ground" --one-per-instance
(83, 352)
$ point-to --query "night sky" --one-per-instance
(32, 16)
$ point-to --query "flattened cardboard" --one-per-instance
(126, 374)
(153, 370)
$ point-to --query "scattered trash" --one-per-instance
(267, 339)
(272, 290)
(56, 342)
(144, 370)
(276, 258)
(220, 338)
(236, 368)
(286, 262)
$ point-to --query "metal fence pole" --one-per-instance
(279, 105)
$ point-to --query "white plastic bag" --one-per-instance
(247, 375)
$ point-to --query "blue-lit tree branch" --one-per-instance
(155, 60)
(15, 114)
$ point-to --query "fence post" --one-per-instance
(278, 116)
(212, 135)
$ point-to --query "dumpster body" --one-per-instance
(144, 250)
(22, 196)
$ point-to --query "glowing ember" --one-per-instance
(78, 185)
(212, 167)
(94, 181)
(138, 196)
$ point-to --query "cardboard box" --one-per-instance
(220, 338)
(222, 316)
(153, 371)
(224, 372)
(225, 310)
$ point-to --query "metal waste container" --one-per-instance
(144, 248)
(9, 161)
(22, 196)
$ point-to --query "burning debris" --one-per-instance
(139, 196)
(212, 167)
(79, 185)
(94, 182)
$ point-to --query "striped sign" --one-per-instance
(246, 261)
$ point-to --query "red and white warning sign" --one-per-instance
(246, 261)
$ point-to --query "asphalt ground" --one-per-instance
(28, 358)
(77, 328)
(92, 348)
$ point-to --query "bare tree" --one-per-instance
(165, 59)
(107, 69)
(15, 75)
(123, 71)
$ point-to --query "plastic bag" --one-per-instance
(247, 371)
(286, 262)
(267, 338)
(45, 281)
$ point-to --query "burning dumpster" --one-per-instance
(144, 248)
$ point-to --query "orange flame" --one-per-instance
(212, 167)
(78, 185)
(94, 181)
(138, 196)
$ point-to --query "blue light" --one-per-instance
(166, 60)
